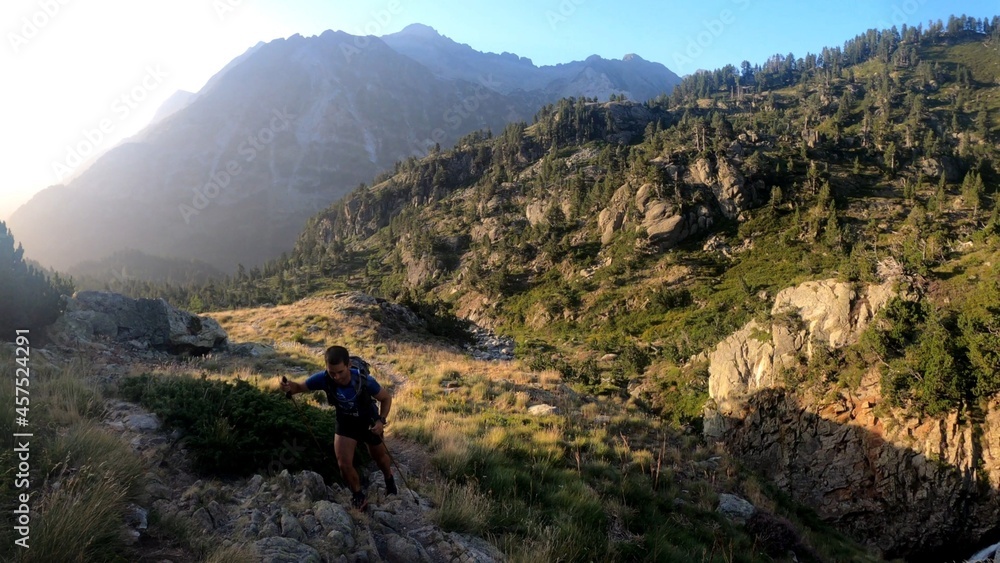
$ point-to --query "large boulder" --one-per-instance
(149, 322)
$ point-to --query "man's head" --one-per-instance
(338, 364)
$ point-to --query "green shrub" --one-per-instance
(979, 322)
(236, 429)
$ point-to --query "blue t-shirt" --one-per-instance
(344, 398)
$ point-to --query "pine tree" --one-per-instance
(831, 231)
(890, 157)
(972, 191)
(28, 300)
(940, 195)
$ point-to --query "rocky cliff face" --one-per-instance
(669, 218)
(898, 483)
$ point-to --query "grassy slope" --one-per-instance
(594, 480)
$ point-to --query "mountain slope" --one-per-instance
(279, 133)
(620, 243)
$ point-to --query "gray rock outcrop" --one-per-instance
(705, 191)
(142, 322)
(840, 450)
(825, 312)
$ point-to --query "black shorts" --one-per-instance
(356, 428)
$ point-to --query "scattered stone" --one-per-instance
(441, 546)
(254, 485)
(333, 517)
(143, 422)
(310, 525)
(403, 550)
(312, 486)
(285, 550)
(389, 520)
(490, 347)
(251, 350)
(136, 517)
(203, 519)
(735, 508)
(542, 410)
(709, 464)
(218, 514)
(341, 541)
(290, 526)
(158, 491)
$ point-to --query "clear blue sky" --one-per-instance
(67, 63)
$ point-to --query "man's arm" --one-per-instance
(384, 399)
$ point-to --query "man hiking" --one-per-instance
(348, 390)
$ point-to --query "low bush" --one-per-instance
(236, 429)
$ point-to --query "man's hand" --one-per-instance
(379, 428)
(286, 386)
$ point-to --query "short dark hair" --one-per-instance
(337, 355)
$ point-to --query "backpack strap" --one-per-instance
(361, 386)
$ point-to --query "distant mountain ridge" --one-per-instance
(633, 77)
(230, 174)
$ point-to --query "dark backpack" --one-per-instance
(361, 387)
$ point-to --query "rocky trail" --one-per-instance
(276, 516)
(273, 516)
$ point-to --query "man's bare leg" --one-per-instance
(343, 447)
(381, 456)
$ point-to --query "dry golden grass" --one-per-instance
(83, 475)
(466, 413)
(314, 321)
(67, 397)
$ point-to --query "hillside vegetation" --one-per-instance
(619, 242)
(653, 231)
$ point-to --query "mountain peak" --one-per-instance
(633, 57)
(419, 30)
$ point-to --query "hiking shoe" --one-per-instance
(390, 486)
(359, 500)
